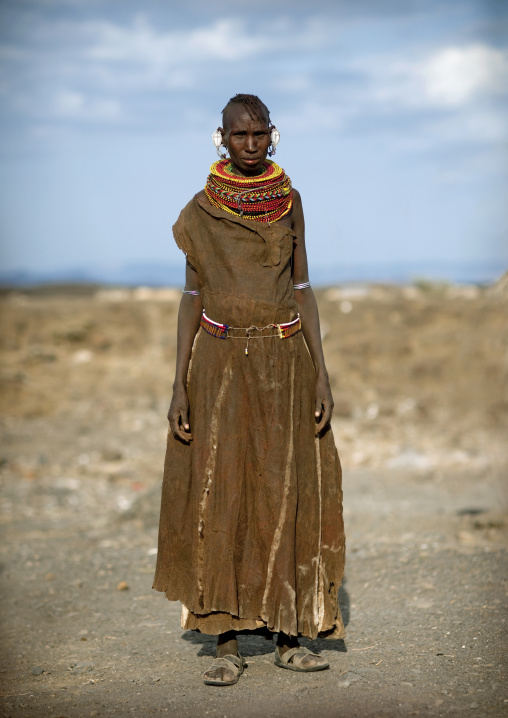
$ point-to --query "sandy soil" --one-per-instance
(420, 376)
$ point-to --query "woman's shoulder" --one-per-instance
(192, 206)
(199, 198)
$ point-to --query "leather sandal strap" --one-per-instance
(237, 660)
(294, 652)
(232, 663)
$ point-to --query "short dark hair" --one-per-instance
(254, 106)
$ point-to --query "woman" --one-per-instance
(251, 533)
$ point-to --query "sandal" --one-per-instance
(235, 664)
(297, 655)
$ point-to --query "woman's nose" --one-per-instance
(251, 143)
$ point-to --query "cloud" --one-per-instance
(140, 72)
(457, 75)
(479, 126)
(450, 77)
(313, 116)
(448, 99)
(75, 105)
(139, 52)
(141, 43)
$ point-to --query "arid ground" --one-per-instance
(420, 378)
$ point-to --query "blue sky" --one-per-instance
(392, 116)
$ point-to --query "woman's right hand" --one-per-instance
(178, 415)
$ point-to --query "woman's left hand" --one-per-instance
(324, 402)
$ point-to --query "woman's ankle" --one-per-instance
(285, 642)
(227, 644)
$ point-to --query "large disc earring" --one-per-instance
(275, 139)
(218, 141)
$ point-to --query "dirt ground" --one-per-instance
(420, 378)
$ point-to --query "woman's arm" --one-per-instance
(309, 315)
(189, 316)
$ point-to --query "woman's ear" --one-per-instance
(218, 137)
(218, 141)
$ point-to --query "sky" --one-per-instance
(392, 115)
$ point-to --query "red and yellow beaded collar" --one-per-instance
(265, 198)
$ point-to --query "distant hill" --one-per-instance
(158, 274)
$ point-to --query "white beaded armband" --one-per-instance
(303, 285)
(192, 292)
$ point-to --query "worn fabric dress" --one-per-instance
(251, 532)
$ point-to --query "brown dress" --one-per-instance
(251, 530)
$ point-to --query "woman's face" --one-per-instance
(247, 140)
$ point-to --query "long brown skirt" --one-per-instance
(251, 531)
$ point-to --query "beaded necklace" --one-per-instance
(265, 198)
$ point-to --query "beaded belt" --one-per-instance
(224, 331)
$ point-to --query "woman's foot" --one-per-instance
(299, 659)
(227, 645)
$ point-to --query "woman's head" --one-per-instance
(246, 133)
(251, 104)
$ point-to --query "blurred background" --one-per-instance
(392, 115)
